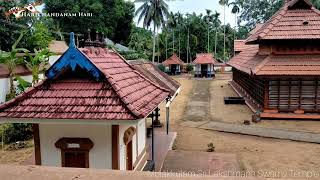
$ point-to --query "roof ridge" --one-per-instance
(139, 72)
(115, 88)
(134, 110)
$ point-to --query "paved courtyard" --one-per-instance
(203, 163)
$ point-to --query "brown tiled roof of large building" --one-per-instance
(278, 63)
(205, 58)
(120, 93)
(20, 70)
(297, 19)
(154, 74)
(240, 45)
(174, 59)
(251, 62)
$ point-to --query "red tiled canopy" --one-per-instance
(174, 59)
(297, 19)
(121, 94)
(205, 58)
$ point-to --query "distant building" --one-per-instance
(278, 68)
(204, 65)
(58, 48)
(174, 65)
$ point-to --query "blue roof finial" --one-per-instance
(72, 42)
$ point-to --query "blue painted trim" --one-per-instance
(72, 41)
(72, 58)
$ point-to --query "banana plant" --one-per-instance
(38, 62)
(11, 60)
(23, 85)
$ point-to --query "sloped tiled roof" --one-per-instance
(117, 91)
(205, 58)
(297, 19)
(249, 61)
(58, 47)
(283, 24)
(154, 74)
(289, 65)
(239, 45)
(174, 59)
(20, 70)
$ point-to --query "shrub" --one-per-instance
(16, 132)
(189, 68)
(211, 147)
(162, 67)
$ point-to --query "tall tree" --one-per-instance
(217, 23)
(172, 23)
(112, 17)
(153, 12)
(235, 10)
(179, 26)
(209, 19)
(224, 3)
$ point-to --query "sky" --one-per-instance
(198, 6)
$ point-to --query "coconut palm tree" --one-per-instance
(224, 3)
(179, 25)
(172, 23)
(208, 19)
(216, 23)
(153, 12)
(235, 10)
(11, 60)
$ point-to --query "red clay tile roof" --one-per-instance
(289, 65)
(249, 61)
(287, 23)
(58, 47)
(174, 59)
(256, 28)
(204, 58)
(297, 19)
(154, 74)
(20, 71)
(239, 45)
(124, 94)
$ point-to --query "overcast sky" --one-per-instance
(198, 6)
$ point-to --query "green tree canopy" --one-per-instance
(112, 17)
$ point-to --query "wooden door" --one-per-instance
(75, 159)
(129, 156)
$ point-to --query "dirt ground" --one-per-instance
(266, 157)
(15, 157)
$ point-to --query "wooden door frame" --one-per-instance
(84, 146)
(129, 155)
(63, 157)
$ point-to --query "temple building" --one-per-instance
(204, 65)
(89, 112)
(280, 76)
(174, 65)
